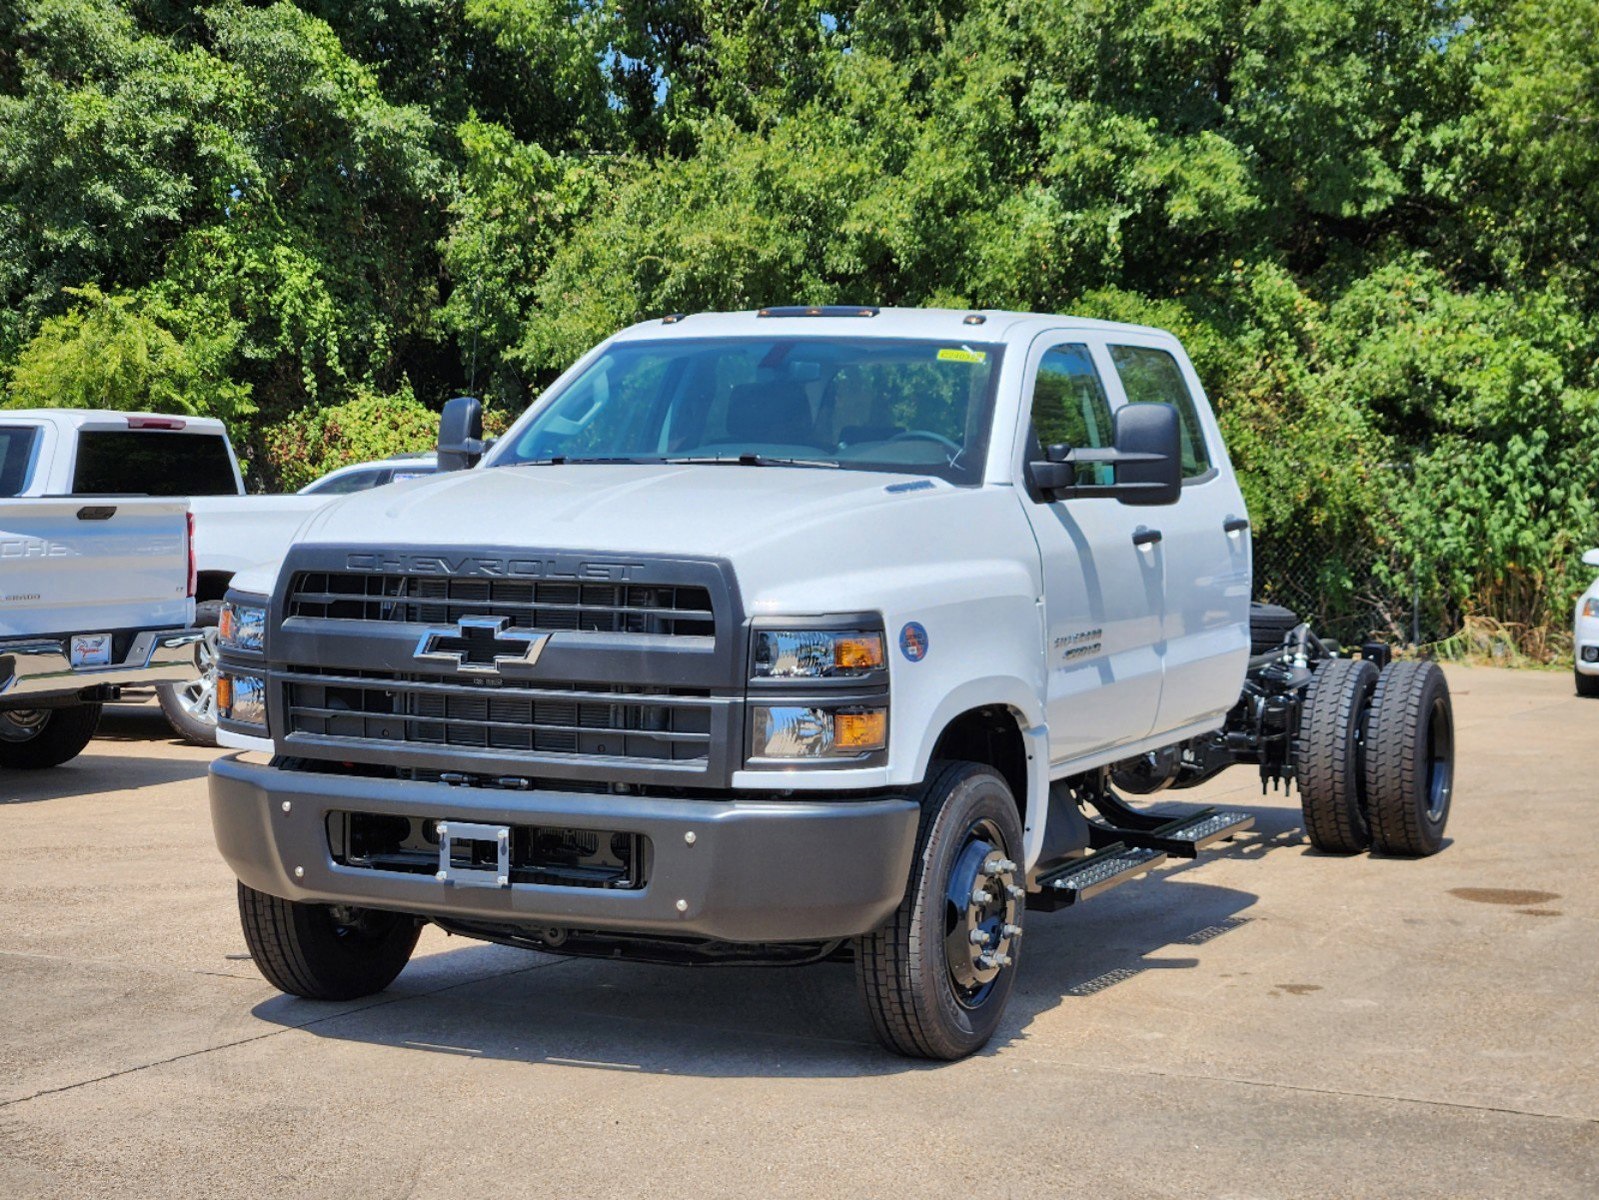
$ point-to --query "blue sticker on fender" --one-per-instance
(913, 642)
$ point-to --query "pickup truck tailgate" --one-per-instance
(93, 565)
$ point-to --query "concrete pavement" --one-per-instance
(1264, 1022)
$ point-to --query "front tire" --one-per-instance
(937, 974)
(34, 739)
(1328, 756)
(191, 707)
(1410, 759)
(325, 952)
(1587, 685)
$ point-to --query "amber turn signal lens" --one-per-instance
(859, 652)
(225, 694)
(860, 730)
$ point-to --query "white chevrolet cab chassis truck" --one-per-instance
(782, 636)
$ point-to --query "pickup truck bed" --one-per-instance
(95, 594)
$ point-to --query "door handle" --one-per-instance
(1235, 524)
(1146, 537)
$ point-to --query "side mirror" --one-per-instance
(1146, 458)
(1149, 454)
(1591, 559)
(460, 434)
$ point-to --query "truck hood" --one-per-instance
(784, 528)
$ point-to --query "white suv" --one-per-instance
(1585, 634)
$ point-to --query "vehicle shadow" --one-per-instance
(135, 722)
(482, 1001)
(96, 771)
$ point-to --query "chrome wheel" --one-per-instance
(198, 697)
(23, 724)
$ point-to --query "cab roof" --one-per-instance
(97, 418)
(942, 324)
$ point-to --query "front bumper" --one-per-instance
(42, 667)
(754, 871)
(1586, 645)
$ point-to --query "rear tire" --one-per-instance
(34, 739)
(1410, 759)
(191, 707)
(1328, 755)
(1587, 685)
(925, 989)
(1269, 624)
(324, 952)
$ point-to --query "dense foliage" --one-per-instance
(1372, 221)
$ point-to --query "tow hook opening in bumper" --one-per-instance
(473, 854)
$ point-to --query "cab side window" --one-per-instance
(1070, 408)
(1153, 376)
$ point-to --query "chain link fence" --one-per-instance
(1348, 591)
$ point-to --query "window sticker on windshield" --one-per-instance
(962, 354)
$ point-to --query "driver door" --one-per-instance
(1102, 593)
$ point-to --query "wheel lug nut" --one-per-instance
(1011, 931)
(981, 897)
(998, 960)
(1016, 893)
(978, 937)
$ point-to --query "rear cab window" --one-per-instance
(1152, 376)
(150, 462)
(17, 446)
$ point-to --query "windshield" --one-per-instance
(868, 404)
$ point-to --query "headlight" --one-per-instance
(816, 653)
(1590, 607)
(242, 699)
(804, 731)
(242, 626)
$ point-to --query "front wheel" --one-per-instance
(323, 951)
(32, 739)
(937, 974)
(1587, 685)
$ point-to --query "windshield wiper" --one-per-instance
(562, 460)
(745, 460)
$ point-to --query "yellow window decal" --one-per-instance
(962, 354)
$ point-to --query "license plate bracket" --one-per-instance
(90, 650)
(461, 864)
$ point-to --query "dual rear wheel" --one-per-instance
(1376, 758)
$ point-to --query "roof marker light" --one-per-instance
(818, 310)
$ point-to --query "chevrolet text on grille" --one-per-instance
(508, 568)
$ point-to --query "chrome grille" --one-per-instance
(666, 610)
(505, 716)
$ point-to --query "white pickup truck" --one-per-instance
(79, 452)
(785, 635)
(96, 594)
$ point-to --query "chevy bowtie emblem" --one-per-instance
(481, 646)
